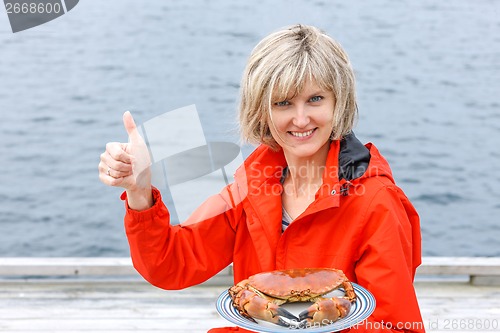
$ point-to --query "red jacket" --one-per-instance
(366, 227)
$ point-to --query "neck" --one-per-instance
(305, 174)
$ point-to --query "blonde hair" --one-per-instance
(280, 65)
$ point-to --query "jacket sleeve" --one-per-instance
(176, 257)
(390, 252)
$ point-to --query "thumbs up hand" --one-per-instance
(127, 165)
(139, 154)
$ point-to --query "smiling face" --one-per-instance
(302, 124)
(278, 68)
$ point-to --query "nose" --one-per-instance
(301, 117)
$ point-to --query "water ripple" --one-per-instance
(43, 119)
(441, 199)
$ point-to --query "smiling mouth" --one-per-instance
(302, 134)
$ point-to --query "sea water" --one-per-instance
(427, 76)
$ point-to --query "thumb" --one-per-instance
(138, 150)
(130, 127)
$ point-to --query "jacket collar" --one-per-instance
(261, 172)
(348, 161)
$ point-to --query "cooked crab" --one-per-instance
(260, 296)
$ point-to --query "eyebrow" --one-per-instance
(318, 92)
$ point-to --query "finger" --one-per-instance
(116, 151)
(115, 163)
(114, 168)
(110, 177)
(116, 173)
(108, 180)
(130, 127)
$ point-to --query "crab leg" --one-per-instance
(349, 291)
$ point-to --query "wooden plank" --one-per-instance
(105, 306)
(22, 266)
(66, 266)
(478, 270)
(459, 307)
(82, 266)
(111, 306)
(472, 266)
(485, 280)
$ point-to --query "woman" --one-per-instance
(310, 195)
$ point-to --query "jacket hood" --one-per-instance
(354, 158)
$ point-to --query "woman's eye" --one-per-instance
(316, 99)
(282, 103)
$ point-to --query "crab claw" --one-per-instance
(275, 314)
(255, 307)
(325, 311)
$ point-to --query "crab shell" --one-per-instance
(297, 285)
(260, 296)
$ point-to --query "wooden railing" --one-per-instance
(478, 270)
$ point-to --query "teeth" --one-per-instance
(302, 134)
